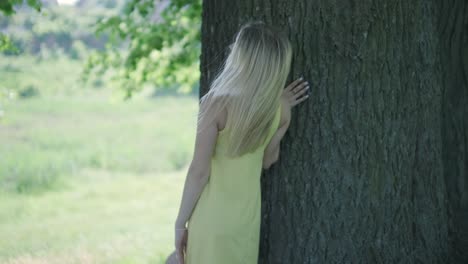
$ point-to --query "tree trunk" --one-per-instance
(453, 30)
(360, 177)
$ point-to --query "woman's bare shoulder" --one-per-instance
(220, 116)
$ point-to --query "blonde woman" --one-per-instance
(241, 121)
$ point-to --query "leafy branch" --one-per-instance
(157, 44)
(7, 8)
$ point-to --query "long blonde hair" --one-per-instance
(249, 85)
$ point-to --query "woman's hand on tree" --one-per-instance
(294, 92)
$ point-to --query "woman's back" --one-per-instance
(225, 224)
(219, 217)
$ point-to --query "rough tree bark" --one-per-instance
(453, 32)
(360, 177)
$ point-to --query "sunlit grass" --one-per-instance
(48, 76)
(86, 180)
(42, 140)
(101, 218)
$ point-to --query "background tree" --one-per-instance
(361, 174)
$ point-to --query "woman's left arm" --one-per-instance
(198, 172)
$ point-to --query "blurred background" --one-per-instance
(98, 105)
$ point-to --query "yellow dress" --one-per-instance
(224, 227)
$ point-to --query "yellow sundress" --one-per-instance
(224, 227)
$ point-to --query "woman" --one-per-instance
(242, 119)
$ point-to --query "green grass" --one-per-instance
(102, 218)
(87, 180)
(48, 76)
(42, 140)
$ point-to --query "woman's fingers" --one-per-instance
(298, 101)
(293, 89)
(181, 245)
(180, 255)
(292, 85)
(301, 91)
(294, 92)
(185, 243)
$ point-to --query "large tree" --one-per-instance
(375, 166)
(361, 171)
(453, 32)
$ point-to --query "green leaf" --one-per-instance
(7, 45)
(163, 52)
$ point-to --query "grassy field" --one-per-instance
(46, 76)
(87, 180)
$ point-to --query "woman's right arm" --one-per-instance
(290, 98)
(271, 153)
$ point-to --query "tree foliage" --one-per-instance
(155, 43)
(7, 6)
(7, 9)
